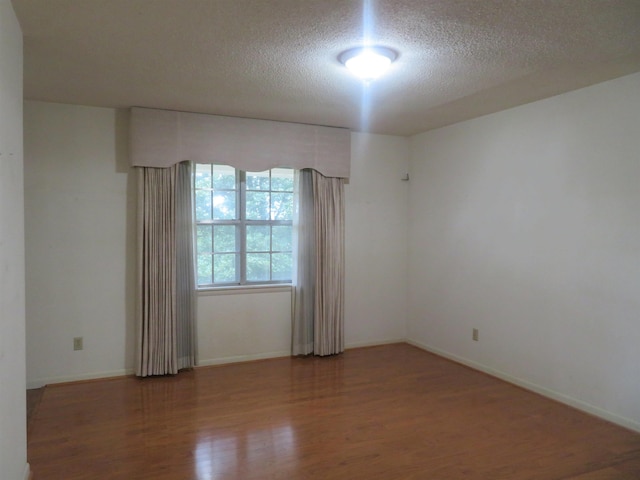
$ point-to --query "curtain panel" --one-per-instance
(318, 297)
(166, 309)
(304, 271)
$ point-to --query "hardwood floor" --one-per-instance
(388, 412)
(34, 396)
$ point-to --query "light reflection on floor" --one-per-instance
(222, 456)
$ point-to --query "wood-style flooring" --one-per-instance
(34, 396)
(388, 412)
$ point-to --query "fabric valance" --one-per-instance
(161, 138)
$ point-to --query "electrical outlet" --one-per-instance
(475, 335)
(77, 343)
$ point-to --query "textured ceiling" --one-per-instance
(277, 59)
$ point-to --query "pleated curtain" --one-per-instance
(166, 311)
(318, 293)
(304, 271)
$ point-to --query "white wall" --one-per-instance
(80, 227)
(80, 241)
(244, 326)
(13, 441)
(525, 224)
(376, 240)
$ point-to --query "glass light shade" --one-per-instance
(368, 63)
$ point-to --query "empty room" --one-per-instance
(312, 239)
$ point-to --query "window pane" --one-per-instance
(204, 244)
(257, 205)
(268, 199)
(258, 267)
(258, 238)
(203, 205)
(282, 206)
(225, 238)
(204, 270)
(258, 180)
(281, 266)
(281, 238)
(282, 179)
(224, 177)
(203, 176)
(224, 268)
(224, 206)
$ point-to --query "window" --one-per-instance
(244, 225)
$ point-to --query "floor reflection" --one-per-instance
(227, 456)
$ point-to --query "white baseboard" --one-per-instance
(375, 343)
(560, 397)
(27, 472)
(284, 353)
(242, 358)
(41, 382)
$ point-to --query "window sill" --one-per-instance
(244, 289)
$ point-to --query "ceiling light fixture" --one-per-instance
(368, 63)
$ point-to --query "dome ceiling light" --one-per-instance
(367, 63)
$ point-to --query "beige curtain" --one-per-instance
(166, 279)
(329, 293)
(318, 311)
(304, 271)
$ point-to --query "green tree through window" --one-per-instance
(244, 225)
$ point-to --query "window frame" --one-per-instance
(241, 222)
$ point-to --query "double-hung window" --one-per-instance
(244, 225)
